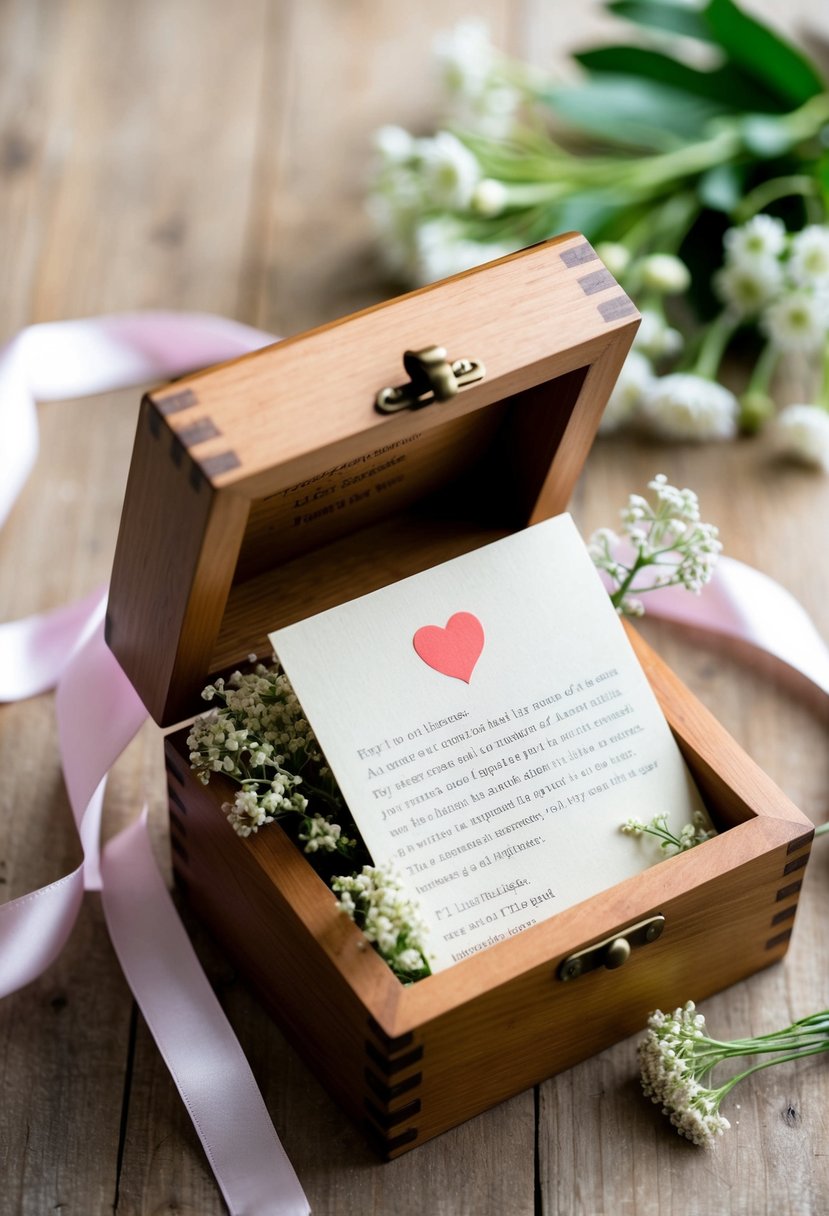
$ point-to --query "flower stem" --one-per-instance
(769, 192)
(617, 596)
(764, 369)
(714, 343)
(794, 1055)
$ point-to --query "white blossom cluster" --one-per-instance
(666, 538)
(691, 834)
(496, 177)
(676, 1056)
(431, 198)
(801, 432)
(780, 280)
(423, 199)
(673, 1056)
(379, 904)
(772, 279)
(257, 736)
(484, 88)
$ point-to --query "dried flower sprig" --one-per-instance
(691, 834)
(665, 538)
(676, 1058)
(258, 737)
(378, 903)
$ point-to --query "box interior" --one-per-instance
(444, 486)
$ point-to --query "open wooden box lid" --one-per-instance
(267, 489)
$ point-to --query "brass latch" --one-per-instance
(431, 378)
(614, 951)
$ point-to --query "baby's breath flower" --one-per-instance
(687, 406)
(255, 725)
(676, 1056)
(801, 432)
(670, 842)
(321, 833)
(377, 901)
(667, 541)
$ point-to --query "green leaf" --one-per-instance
(638, 113)
(763, 54)
(727, 85)
(675, 18)
(590, 212)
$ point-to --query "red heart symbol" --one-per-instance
(452, 651)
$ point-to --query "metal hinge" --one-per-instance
(614, 951)
(431, 378)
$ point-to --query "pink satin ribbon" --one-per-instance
(99, 713)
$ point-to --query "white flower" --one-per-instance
(672, 547)
(450, 171)
(748, 286)
(665, 274)
(615, 256)
(442, 250)
(797, 321)
(465, 57)
(321, 833)
(378, 902)
(490, 197)
(802, 433)
(685, 406)
(394, 206)
(493, 113)
(809, 261)
(635, 381)
(655, 337)
(394, 144)
(762, 236)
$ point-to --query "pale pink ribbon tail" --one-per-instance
(743, 603)
(98, 714)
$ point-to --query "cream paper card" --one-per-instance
(490, 729)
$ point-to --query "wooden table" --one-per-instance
(194, 154)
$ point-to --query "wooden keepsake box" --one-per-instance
(318, 469)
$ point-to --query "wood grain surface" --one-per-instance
(194, 154)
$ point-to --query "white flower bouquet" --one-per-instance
(694, 158)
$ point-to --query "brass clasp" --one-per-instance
(431, 378)
(614, 951)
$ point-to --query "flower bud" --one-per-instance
(489, 197)
(665, 274)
